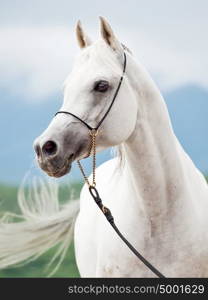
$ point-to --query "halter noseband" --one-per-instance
(109, 108)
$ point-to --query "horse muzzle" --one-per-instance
(56, 154)
(55, 165)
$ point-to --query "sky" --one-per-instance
(38, 42)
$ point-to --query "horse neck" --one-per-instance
(154, 158)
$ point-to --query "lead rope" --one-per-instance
(106, 211)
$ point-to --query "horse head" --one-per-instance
(89, 90)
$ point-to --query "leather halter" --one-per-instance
(94, 192)
(109, 108)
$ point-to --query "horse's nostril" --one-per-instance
(50, 148)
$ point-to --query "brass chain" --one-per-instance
(93, 134)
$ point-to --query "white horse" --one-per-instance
(158, 197)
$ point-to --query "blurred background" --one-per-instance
(37, 49)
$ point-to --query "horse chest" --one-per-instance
(101, 253)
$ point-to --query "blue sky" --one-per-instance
(38, 42)
(37, 50)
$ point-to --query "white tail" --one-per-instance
(44, 224)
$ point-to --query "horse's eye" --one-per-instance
(101, 86)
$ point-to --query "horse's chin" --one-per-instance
(60, 172)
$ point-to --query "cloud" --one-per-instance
(173, 58)
(36, 56)
(35, 60)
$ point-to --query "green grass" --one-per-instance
(38, 267)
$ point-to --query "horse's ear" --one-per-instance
(82, 38)
(108, 35)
